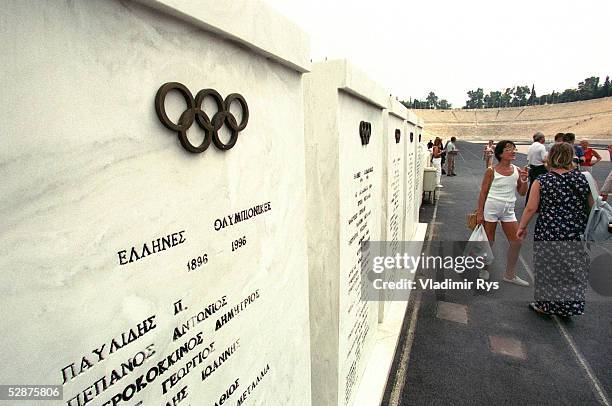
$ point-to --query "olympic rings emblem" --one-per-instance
(398, 135)
(365, 130)
(195, 113)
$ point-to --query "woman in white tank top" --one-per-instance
(496, 204)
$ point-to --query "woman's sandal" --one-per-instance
(536, 309)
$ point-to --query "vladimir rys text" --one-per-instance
(410, 263)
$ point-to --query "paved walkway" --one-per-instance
(462, 348)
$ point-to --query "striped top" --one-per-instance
(503, 187)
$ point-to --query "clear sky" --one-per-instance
(450, 47)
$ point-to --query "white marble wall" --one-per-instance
(421, 162)
(89, 171)
(343, 182)
(393, 186)
(412, 197)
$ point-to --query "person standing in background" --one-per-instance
(606, 189)
(430, 144)
(437, 160)
(443, 156)
(451, 153)
(558, 139)
(536, 156)
(487, 154)
(589, 154)
(570, 138)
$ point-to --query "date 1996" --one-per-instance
(31, 392)
(238, 243)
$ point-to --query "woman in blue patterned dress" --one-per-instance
(563, 198)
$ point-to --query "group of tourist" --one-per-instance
(556, 190)
(440, 154)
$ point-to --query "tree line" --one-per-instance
(518, 96)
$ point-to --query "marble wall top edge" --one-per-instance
(343, 75)
(252, 23)
(397, 109)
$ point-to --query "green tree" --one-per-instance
(533, 97)
(432, 100)
(506, 97)
(554, 97)
(520, 95)
(588, 88)
(569, 95)
(475, 99)
(444, 104)
(606, 88)
(493, 99)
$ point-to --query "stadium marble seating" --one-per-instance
(587, 119)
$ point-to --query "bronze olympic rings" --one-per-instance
(195, 113)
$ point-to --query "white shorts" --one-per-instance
(495, 210)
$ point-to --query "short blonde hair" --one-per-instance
(561, 156)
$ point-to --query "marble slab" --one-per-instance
(393, 184)
(378, 373)
(344, 177)
(410, 207)
(135, 272)
(421, 162)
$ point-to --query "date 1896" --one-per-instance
(197, 262)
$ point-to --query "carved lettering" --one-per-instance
(236, 309)
(243, 215)
(154, 247)
(253, 384)
(211, 368)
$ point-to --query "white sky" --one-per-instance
(450, 47)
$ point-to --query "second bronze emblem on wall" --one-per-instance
(365, 130)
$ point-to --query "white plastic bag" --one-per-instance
(600, 217)
(478, 245)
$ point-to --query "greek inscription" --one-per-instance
(243, 215)
(228, 392)
(223, 320)
(71, 371)
(179, 397)
(199, 317)
(109, 380)
(225, 355)
(262, 374)
(154, 372)
(189, 366)
(154, 247)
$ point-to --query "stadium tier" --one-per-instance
(591, 119)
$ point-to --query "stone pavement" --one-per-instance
(487, 349)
